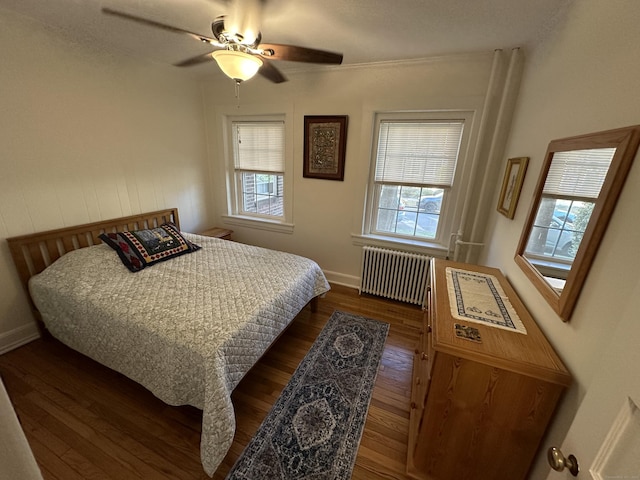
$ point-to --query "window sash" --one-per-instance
(259, 146)
(578, 173)
(418, 152)
(261, 203)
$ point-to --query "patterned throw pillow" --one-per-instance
(141, 248)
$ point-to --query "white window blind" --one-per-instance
(259, 146)
(578, 173)
(418, 152)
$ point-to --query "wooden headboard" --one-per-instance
(34, 252)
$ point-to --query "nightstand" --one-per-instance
(217, 232)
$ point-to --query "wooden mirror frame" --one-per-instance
(625, 141)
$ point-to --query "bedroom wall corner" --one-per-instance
(18, 336)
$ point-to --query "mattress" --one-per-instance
(188, 329)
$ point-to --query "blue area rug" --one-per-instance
(313, 430)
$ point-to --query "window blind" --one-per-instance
(418, 152)
(259, 146)
(578, 173)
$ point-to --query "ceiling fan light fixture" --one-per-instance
(237, 65)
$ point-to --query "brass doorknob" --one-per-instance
(558, 462)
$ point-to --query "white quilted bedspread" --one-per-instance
(188, 329)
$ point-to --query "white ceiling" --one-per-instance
(363, 30)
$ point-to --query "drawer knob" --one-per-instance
(413, 405)
(424, 356)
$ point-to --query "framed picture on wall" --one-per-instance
(511, 185)
(325, 141)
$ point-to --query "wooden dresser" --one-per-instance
(479, 409)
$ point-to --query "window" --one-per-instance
(570, 191)
(415, 161)
(258, 159)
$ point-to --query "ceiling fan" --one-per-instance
(239, 51)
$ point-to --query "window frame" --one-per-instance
(453, 195)
(241, 192)
(556, 257)
(573, 176)
(235, 214)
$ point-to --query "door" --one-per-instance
(605, 434)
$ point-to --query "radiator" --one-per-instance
(394, 274)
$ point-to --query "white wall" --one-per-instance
(86, 136)
(327, 213)
(583, 78)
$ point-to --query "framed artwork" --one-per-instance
(325, 141)
(511, 185)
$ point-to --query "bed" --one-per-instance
(188, 329)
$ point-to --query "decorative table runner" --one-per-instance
(478, 297)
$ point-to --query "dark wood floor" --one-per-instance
(85, 421)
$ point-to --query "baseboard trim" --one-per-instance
(342, 279)
(18, 336)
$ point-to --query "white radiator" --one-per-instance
(394, 274)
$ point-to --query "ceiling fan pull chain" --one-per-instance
(238, 93)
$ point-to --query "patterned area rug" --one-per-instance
(314, 428)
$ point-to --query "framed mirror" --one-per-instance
(577, 191)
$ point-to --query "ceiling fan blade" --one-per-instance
(153, 23)
(189, 62)
(293, 53)
(270, 72)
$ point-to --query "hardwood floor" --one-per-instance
(85, 421)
